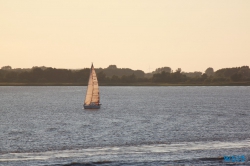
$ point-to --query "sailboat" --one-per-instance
(92, 99)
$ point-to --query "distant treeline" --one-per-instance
(235, 74)
(114, 75)
(53, 75)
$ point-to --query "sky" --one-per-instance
(138, 34)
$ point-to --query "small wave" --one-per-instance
(215, 161)
(105, 162)
(125, 150)
(51, 129)
(16, 132)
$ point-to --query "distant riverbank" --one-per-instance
(131, 84)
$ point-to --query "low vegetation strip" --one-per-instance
(113, 76)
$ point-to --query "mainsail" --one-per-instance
(92, 96)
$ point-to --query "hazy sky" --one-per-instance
(187, 34)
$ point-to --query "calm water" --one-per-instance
(135, 126)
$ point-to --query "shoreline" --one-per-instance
(129, 84)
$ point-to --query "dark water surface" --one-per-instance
(135, 126)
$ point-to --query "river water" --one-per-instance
(177, 125)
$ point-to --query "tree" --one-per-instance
(178, 76)
(112, 67)
(159, 70)
(6, 68)
(236, 77)
(1, 76)
(178, 70)
(36, 74)
(159, 77)
(204, 77)
(115, 79)
(11, 76)
(245, 72)
(193, 74)
(209, 71)
(24, 77)
(101, 76)
(132, 78)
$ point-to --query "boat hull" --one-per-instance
(91, 106)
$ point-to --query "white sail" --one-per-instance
(92, 95)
